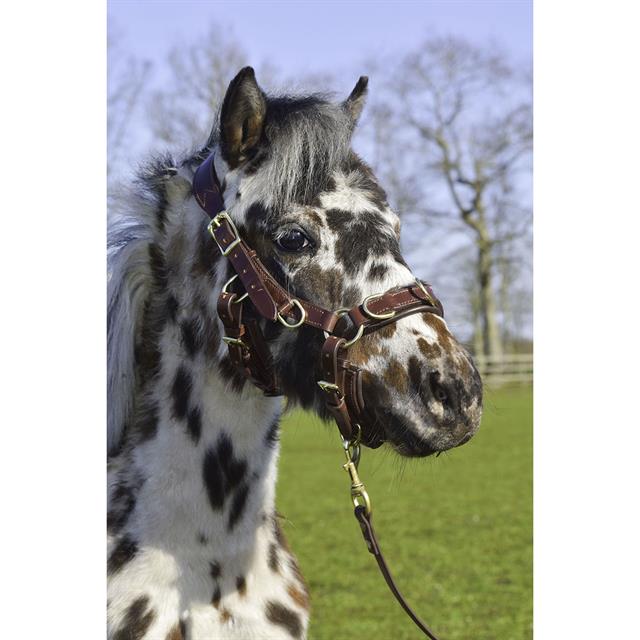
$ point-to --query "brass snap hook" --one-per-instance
(359, 495)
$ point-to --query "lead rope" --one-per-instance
(363, 512)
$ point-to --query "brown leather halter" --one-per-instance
(342, 380)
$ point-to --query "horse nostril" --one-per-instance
(437, 389)
(440, 394)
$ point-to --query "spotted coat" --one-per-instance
(196, 548)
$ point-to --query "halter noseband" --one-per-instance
(342, 380)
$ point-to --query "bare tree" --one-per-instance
(455, 146)
(127, 78)
(181, 112)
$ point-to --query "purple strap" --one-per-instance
(206, 188)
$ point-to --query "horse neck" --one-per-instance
(199, 460)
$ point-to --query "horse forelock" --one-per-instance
(304, 140)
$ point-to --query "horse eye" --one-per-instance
(293, 240)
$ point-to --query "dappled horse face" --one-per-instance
(322, 225)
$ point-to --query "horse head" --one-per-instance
(322, 226)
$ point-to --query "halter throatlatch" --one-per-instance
(342, 379)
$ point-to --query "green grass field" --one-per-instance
(456, 530)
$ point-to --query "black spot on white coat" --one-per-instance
(222, 474)
(284, 617)
(123, 552)
(136, 621)
(180, 391)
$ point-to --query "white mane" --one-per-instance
(129, 277)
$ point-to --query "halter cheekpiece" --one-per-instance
(342, 379)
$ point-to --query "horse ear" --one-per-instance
(355, 102)
(241, 118)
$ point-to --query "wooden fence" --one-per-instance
(514, 368)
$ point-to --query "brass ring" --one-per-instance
(376, 316)
(339, 312)
(226, 285)
(355, 338)
(353, 442)
(228, 282)
(303, 316)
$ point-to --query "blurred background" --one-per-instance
(448, 131)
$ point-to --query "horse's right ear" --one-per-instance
(355, 102)
(241, 118)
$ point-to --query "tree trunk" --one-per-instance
(506, 308)
(478, 341)
(490, 331)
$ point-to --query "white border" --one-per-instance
(52, 265)
(586, 319)
(586, 328)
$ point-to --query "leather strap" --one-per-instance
(247, 346)
(342, 380)
(252, 276)
(265, 292)
(334, 375)
(206, 188)
(373, 546)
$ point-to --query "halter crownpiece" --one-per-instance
(342, 380)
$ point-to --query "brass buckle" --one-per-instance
(328, 386)
(426, 293)
(376, 316)
(225, 290)
(295, 325)
(234, 341)
(215, 223)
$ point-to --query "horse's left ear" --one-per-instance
(355, 102)
(241, 118)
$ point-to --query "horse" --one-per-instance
(195, 548)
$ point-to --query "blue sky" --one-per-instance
(305, 37)
(317, 36)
